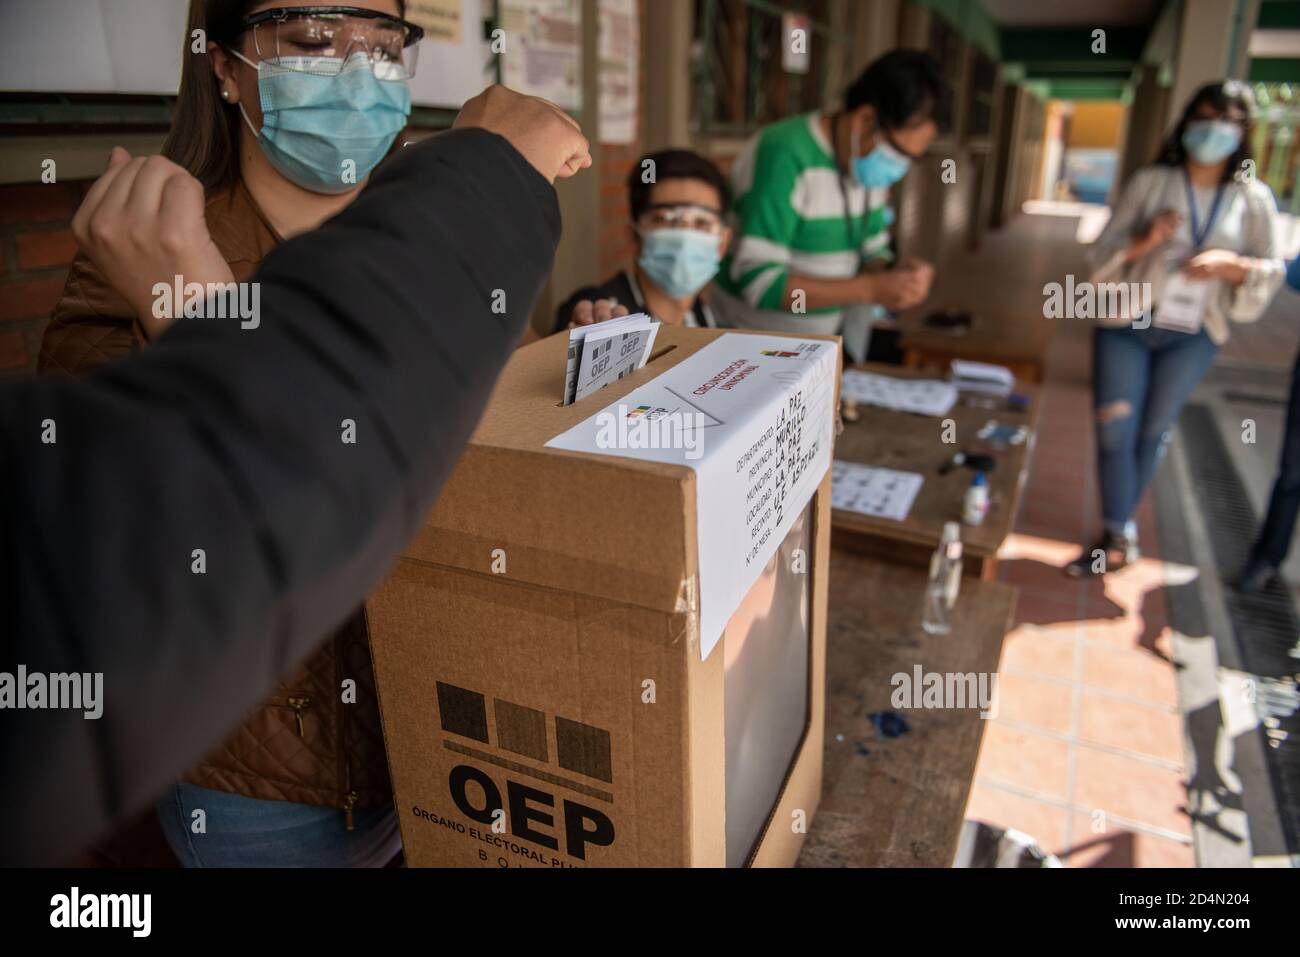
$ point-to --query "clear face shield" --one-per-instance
(321, 39)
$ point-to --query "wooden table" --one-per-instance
(1018, 341)
(898, 802)
(914, 443)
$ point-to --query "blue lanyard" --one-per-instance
(1199, 235)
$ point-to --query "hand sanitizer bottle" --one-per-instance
(945, 582)
(976, 505)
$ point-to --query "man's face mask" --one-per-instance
(881, 168)
(1211, 141)
(680, 261)
(325, 129)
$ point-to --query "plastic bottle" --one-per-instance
(976, 505)
(945, 582)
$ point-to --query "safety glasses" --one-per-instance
(321, 39)
(702, 219)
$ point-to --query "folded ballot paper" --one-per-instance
(606, 352)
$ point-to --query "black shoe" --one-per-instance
(1118, 549)
(1255, 577)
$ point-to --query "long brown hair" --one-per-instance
(204, 136)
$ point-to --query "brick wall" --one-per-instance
(616, 247)
(36, 247)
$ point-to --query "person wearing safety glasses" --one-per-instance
(281, 118)
(812, 195)
(678, 203)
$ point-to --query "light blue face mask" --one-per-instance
(882, 167)
(1211, 141)
(680, 261)
(327, 130)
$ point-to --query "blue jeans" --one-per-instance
(1140, 380)
(247, 832)
(1284, 504)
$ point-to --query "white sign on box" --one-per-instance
(754, 417)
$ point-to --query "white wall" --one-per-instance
(134, 46)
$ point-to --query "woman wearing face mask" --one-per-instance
(812, 197)
(1196, 230)
(678, 222)
(281, 118)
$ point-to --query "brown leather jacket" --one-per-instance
(303, 744)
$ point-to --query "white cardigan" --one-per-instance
(1245, 224)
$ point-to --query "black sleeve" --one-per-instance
(190, 522)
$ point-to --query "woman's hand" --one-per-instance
(1159, 232)
(587, 312)
(1219, 264)
(142, 224)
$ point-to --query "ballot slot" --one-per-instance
(646, 371)
(766, 688)
(602, 353)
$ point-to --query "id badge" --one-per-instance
(1182, 306)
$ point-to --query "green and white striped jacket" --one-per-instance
(791, 208)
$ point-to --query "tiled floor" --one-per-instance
(1086, 752)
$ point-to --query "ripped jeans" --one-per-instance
(1140, 380)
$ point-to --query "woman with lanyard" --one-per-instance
(1192, 240)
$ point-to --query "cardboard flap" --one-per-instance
(608, 526)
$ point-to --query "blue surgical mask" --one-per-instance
(882, 167)
(314, 123)
(680, 261)
(1211, 141)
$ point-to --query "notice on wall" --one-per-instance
(440, 18)
(620, 48)
(754, 417)
(543, 49)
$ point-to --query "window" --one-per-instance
(739, 80)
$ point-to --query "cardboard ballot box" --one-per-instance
(605, 647)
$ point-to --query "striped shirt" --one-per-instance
(790, 199)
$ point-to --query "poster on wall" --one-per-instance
(543, 52)
(455, 62)
(620, 47)
(441, 19)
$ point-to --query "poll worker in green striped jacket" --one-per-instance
(812, 202)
